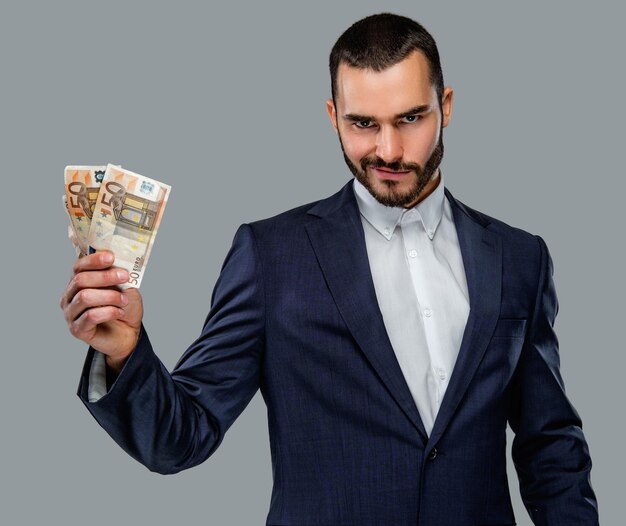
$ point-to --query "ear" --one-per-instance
(446, 105)
(330, 109)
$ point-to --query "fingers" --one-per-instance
(86, 323)
(98, 261)
(93, 298)
(93, 271)
(96, 279)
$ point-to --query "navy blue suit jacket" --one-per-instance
(294, 314)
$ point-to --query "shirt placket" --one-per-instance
(417, 260)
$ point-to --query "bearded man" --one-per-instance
(393, 331)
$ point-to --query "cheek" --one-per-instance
(419, 142)
(358, 145)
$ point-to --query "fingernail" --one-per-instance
(107, 258)
(122, 274)
(124, 299)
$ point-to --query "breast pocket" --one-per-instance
(510, 328)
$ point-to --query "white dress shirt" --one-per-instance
(97, 387)
(420, 284)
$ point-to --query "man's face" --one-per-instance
(390, 128)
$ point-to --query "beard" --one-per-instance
(392, 197)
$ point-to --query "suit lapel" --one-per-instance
(339, 244)
(338, 240)
(481, 250)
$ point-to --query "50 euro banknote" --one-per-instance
(126, 218)
(71, 230)
(82, 186)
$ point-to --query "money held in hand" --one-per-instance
(124, 217)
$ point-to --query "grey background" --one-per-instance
(226, 104)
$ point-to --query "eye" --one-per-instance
(363, 124)
(411, 118)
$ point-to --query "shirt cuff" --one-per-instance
(97, 386)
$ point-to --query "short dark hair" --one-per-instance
(379, 41)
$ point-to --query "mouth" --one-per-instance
(384, 173)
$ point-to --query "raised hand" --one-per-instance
(98, 312)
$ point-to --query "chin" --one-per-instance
(393, 186)
(391, 193)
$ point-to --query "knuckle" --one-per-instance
(77, 281)
(81, 297)
(82, 264)
(90, 316)
(74, 328)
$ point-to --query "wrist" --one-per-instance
(115, 364)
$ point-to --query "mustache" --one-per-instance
(396, 166)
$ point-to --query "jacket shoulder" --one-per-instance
(508, 232)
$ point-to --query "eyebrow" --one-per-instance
(355, 117)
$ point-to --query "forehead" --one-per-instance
(387, 92)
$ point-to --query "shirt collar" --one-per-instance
(383, 218)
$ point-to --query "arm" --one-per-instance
(549, 450)
(170, 422)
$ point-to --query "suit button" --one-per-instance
(433, 454)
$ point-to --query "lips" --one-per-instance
(384, 173)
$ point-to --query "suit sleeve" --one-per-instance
(170, 422)
(549, 449)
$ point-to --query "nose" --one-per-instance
(389, 144)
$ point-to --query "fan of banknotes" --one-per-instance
(114, 209)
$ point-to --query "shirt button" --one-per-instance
(441, 373)
(427, 312)
(413, 253)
